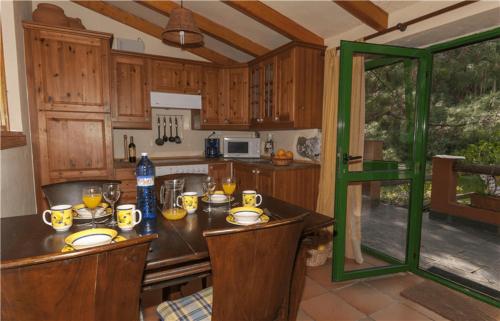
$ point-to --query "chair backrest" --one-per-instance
(70, 192)
(192, 182)
(252, 269)
(101, 283)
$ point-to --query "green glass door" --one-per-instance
(382, 115)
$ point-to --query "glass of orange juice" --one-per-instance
(92, 196)
(229, 186)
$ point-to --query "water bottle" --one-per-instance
(146, 198)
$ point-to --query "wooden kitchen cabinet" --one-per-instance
(233, 96)
(175, 77)
(219, 171)
(263, 92)
(74, 145)
(70, 68)
(298, 186)
(128, 187)
(130, 101)
(210, 97)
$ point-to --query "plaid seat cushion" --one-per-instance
(194, 307)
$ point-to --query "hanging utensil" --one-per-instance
(177, 138)
(159, 140)
(171, 138)
(165, 137)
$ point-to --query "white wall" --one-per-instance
(17, 194)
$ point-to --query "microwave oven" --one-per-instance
(242, 147)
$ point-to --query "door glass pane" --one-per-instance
(377, 216)
(382, 112)
(460, 237)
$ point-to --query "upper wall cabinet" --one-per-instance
(70, 68)
(175, 77)
(287, 89)
(130, 102)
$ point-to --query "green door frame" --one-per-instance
(415, 223)
(415, 173)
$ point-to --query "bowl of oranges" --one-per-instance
(282, 158)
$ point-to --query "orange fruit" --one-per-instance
(281, 153)
(289, 154)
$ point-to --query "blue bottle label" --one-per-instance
(145, 181)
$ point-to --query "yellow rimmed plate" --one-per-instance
(81, 212)
(91, 237)
(262, 219)
(118, 238)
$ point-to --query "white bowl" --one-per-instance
(218, 198)
(246, 217)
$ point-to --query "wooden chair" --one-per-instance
(251, 272)
(192, 182)
(70, 192)
(100, 283)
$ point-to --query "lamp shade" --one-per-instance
(181, 29)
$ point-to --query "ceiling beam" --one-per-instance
(211, 28)
(366, 11)
(149, 28)
(275, 20)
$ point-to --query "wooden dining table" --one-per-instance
(179, 253)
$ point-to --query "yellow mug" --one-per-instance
(61, 217)
(126, 216)
(189, 201)
(251, 198)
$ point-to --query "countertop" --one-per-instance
(259, 162)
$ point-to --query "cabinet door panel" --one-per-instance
(74, 145)
(192, 79)
(219, 172)
(167, 76)
(286, 87)
(130, 94)
(237, 108)
(71, 72)
(265, 182)
(245, 179)
(210, 96)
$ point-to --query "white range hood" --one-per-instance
(170, 100)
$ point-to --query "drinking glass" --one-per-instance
(92, 196)
(111, 193)
(229, 186)
(208, 188)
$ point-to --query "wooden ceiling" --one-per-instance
(237, 31)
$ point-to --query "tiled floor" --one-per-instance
(371, 299)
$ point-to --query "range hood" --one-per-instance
(179, 101)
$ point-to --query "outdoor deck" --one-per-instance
(469, 251)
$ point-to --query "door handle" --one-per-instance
(347, 158)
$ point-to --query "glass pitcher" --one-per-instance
(168, 196)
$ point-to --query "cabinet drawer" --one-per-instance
(125, 173)
(128, 185)
(128, 197)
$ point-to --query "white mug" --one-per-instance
(126, 216)
(251, 198)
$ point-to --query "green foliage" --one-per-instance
(484, 152)
(399, 195)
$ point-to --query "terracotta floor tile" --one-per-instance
(312, 289)
(365, 298)
(393, 285)
(398, 312)
(302, 316)
(351, 265)
(323, 276)
(330, 307)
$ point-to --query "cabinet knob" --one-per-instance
(204, 120)
(253, 171)
(276, 118)
(257, 172)
(226, 121)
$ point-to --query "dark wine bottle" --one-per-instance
(131, 150)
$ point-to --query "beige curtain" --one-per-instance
(325, 201)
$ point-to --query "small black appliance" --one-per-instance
(212, 146)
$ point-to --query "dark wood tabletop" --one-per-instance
(179, 243)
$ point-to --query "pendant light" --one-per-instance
(181, 29)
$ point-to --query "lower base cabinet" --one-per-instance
(298, 186)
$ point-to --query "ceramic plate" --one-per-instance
(80, 212)
(69, 248)
(262, 219)
(91, 237)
